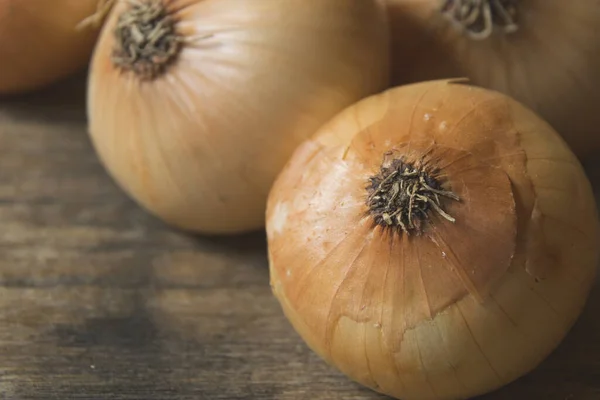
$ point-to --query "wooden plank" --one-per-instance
(100, 300)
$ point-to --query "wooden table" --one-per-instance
(99, 300)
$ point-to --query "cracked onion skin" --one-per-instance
(40, 42)
(456, 309)
(550, 64)
(200, 143)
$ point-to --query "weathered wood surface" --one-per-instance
(99, 300)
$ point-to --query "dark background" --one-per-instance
(99, 300)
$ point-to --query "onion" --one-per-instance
(40, 42)
(196, 128)
(543, 53)
(436, 241)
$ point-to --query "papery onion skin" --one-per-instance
(466, 307)
(40, 42)
(200, 145)
(551, 63)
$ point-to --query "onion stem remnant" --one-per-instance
(478, 17)
(146, 39)
(403, 193)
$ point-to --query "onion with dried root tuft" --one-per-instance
(436, 241)
(196, 105)
(543, 53)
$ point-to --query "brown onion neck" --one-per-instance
(479, 17)
(403, 195)
(146, 39)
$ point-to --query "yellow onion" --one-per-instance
(543, 53)
(436, 241)
(40, 41)
(195, 106)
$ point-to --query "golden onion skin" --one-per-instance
(40, 42)
(466, 307)
(200, 145)
(550, 64)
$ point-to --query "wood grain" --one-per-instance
(99, 300)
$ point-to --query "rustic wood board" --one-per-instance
(99, 300)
